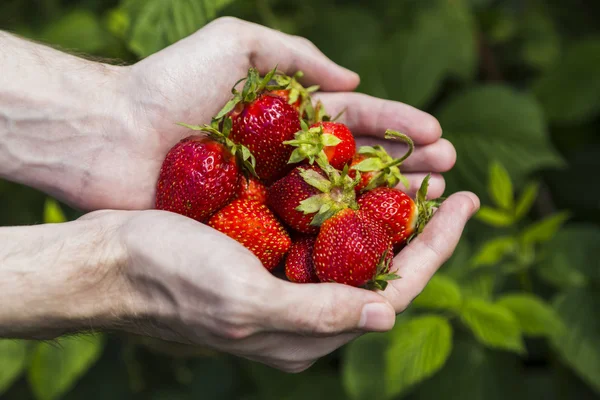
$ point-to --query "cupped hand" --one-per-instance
(190, 82)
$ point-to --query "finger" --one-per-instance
(327, 309)
(418, 261)
(293, 53)
(367, 115)
(436, 188)
(439, 156)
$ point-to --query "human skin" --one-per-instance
(94, 136)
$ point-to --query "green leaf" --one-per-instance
(56, 367)
(544, 230)
(13, 358)
(500, 187)
(493, 251)
(480, 285)
(331, 140)
(541, 40)
(495, 123)
(79, 30)
(494, 217)
(526, 200)
(363, 369)
(441, 292)
(53, 214)
(572, 256)
(155, 24)
(369, 164)
(570, 91)
(493, 325)
(417, 351)
(474, 373)
(579, 344)
(535, 317)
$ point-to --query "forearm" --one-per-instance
(56, 113)
(59, 278)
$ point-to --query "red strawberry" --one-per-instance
(262, 122)
(331, 141)
(353, 249)
(197, 177)
(377, 167)
(251, 189)
(403, 217)
(299, 264)
(307, 196)
(285, 94)
(255, 227)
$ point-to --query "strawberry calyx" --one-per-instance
(319, 114)
(378, 160)
(382, 275)
(309, 143)
(243, 155)
(425, 208)
(337, 192)
(296, 90)
(254, 86)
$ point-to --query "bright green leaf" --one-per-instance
(579, 344)
(53, 214)
(494, 122)
(500, 187)
(13, 358)
(493, 325)
(544, 230)
(480, 285)
(494, 217)
(441, 292)
(417, 351)
(475, 373)
(526, 200)
(56, 367)
(535, 317)
(570, 91)
(493, 251)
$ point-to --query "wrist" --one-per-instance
(60, 115)
(61, 278)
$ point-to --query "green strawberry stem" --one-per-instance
(382, 275)
(337, 192)
(243, 155)
(297, 91)
(386, 168)
(425, 208)
(310, 144)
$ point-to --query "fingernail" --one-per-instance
(377, 317)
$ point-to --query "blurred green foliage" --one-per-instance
(513, 313)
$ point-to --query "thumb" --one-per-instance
(328, 309)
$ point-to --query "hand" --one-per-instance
(191, 80)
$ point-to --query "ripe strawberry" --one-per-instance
(331, 141)
(404, 217)
(354, 250)
(262, 121)
(377, 167)
(286, 95)
(254, 226)
(299, 264)
(307, 196)
(251, 189)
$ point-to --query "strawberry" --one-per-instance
(299, 264)
(262, 121)
(200, 173)
(404, 217)
(353, 249)
(328, 140)
(286, 95)
(377, 167)
(308, 195)
(251, 189)
(254, 226)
